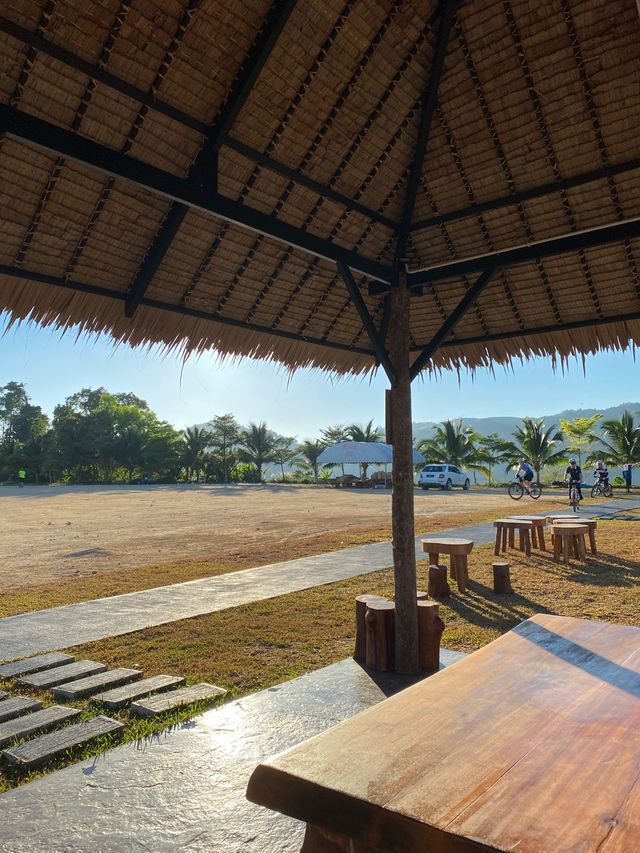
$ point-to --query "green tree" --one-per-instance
(580, 434)
(491, 451)
(309, 451)
(537, 443)
(620, 442)
(224, 437)
(257, 445)
(367, 433)
(284, 451)
(196, 443)
(334, 435)
(454, 443)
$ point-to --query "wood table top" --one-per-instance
(531, 744)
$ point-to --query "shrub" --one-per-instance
(245, 472)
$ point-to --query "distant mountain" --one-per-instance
(505, 426)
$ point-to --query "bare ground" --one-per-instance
(58, 533)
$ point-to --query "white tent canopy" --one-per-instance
(361, 452)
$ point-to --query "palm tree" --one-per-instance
(537, 443)
(284, 452)
(310, 451)
(455, 444)
(196, 441)
(257, 445)
(621, 441)
(369, 433)
(334, 435)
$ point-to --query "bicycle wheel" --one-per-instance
(535, 491)
(607, 491)
(516, 491)
(594, 492)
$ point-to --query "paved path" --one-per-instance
(185, 789)
(61, 627)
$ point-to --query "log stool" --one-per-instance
(502, 579)
(569, 539)
(506, 529)
(430, 628)
(438, 586)
(537, 534)
(590, 523)
(362, 601)
(458, 551)
(380, 630)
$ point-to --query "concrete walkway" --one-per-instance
(61, 627)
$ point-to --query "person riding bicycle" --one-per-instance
(573, 475)
(601, 474)
(525, 474)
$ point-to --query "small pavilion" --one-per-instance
(352, 185)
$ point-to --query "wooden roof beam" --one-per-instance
(49, 137)
(429, 100)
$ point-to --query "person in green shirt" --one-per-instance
(22, 476)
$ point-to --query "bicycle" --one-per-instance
(601, 488)
(574, 497)
(517, 490)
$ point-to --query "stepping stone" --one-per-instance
(31, 723)
(41, 749)
(175, 699)
(121, 695)
(36, 664)
(95, 683)
(62, 674)
(10, 708)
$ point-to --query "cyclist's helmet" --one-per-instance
(572, 462)
(600, 463)
(521, 461)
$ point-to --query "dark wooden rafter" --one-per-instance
(204, 169)
(148, 99)
(374, 336)
(84, 287)
(49, 137)
(428, 105)
(451, 322)
(584, 178)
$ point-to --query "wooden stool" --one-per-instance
(438, 586)
(430, 628)
(569, 538)
(380, 625)
(590, 523)
(458, 551)
(502, 579)
(506, 527)
(537, 534)
(362, 601)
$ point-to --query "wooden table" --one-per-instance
(458, 551)
(530, 744)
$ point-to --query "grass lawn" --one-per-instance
(249, 648)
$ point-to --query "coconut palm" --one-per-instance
(537, 443)
(196, 443)
(368, 433)
(456, 444)
(620, 442)
(257, 445)
(309, 451)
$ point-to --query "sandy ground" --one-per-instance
(51, 533)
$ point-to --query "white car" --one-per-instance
(443, 477)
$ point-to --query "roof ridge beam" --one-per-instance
(57, 140)
(365, 316)
(527, 252)
(429, 100)
(452, 321)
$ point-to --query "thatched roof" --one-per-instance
(312, 111)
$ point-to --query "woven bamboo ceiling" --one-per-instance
(251, 176)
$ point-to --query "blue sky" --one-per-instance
(54, 365)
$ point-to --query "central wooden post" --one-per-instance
(404, 553)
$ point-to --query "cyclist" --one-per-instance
(601, 473)
(525, 474)
(573, 474)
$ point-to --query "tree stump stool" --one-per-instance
(360, 652)
(380, 630)
(430, 628)
(590, 523)
(502, 579)
(537, 533)
(438, 586)
(505, 535)
(458, 551)
(569, 539)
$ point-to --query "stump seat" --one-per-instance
(569, 541)
(537, 534)
(590, 523)
(458, 551)
(505, 535)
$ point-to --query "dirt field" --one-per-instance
(49, 534)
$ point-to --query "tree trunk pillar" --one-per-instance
(404, 553)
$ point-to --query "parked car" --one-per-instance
(443, 477)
